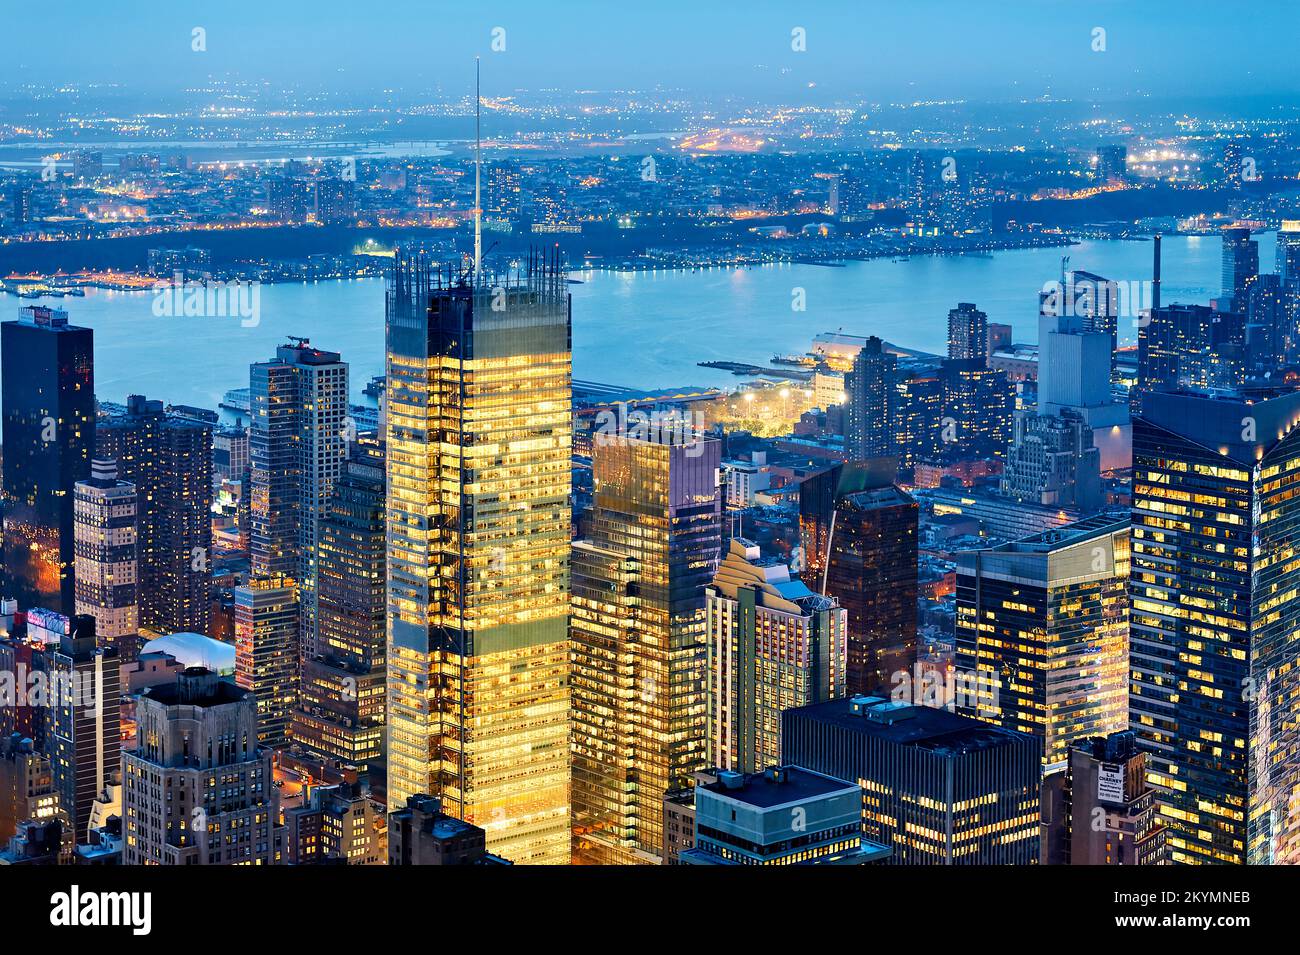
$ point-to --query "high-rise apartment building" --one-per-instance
(1043, 622)
(871, 390)
(106, 523)
(84, 735)
(1240, 267)
(266, 651)
(168, 458)
(1214, 611)
(638, 637)
(858, 533)
(198, 789)
(297, 447)
(968, 334)
(1191, 346)
(773, 645)
(479, 438)
(340, 711)
(47, 399)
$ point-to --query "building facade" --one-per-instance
(1043, 623)
(479, 438)
(639, 639)
(47, 399)
(773, 644)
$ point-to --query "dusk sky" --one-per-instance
(895, 50)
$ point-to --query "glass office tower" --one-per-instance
(479, 436)
(1044, 622)
(48, 436)
(639, 639)
(1214, 612)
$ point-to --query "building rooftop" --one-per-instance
(777, 786)
(906, 724)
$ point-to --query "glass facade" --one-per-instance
(479, 437)
(1044, 623)
(639, 640)
(1214, 685)
(48, 404)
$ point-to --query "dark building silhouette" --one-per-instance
(168, 458)
(48, 402)
(858, 533)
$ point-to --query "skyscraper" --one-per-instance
(1215, 681)
(968, 333)
(1077, 328)
(858, 533)
(168, 458)
(340, 712)
(267, 651)
(106, 525)
(48, 403)
(1288, 272)
(199, 729)
(84, 737)
(638, 638)
(872, 400)
(937, 787)
(1191, 346)
(774, 644)
(297, 446)
(1240, 267)
(479, 432)
(1045, 621)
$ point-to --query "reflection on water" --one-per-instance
(644, 329)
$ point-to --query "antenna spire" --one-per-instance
(478, 167)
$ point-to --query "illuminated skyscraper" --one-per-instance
(1240, 267)
(773, 644)
(266, 651)
(639, 639)
(968, 334)
(105, 531)
(48, 405)
(1214, 611)
(479, 436)
(1044, 623)
(872, 399)
(341, 707)
(297, 446)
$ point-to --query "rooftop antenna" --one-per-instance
(478, 165)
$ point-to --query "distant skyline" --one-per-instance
(922, 50)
